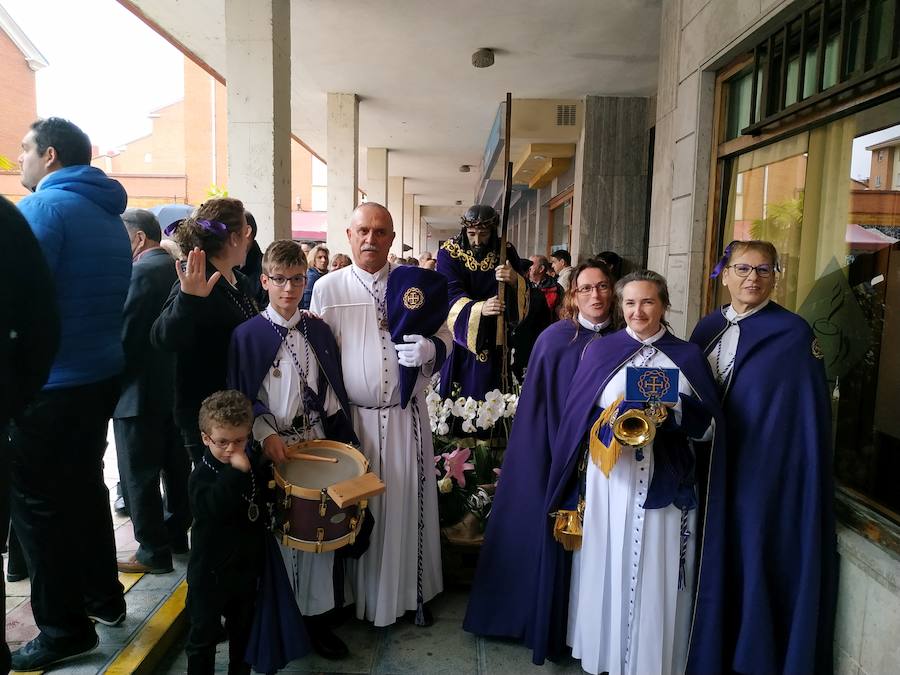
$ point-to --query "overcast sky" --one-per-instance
(107, 70)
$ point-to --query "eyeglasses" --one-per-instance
(601, 286)
(280, 280)
(743, 270)
(225, 443)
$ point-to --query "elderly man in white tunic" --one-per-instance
(402, 567)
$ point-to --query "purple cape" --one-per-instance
(501, 599)
(254, 345)
(546, 615)
(475, 377)
(781, 568)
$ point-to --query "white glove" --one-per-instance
(415, 351)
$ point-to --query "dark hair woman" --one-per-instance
(781, 546)
(210, 299)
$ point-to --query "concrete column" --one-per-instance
(418, 230)
(343, 167)
(610, 200)
(409, 225)
(396, 185)
(258, 49)
(377, 175)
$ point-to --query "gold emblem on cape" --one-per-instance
(414, 298)
(817, 350)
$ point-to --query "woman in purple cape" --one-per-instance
(501, 600)
(781, 564)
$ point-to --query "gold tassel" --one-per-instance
(603, 456)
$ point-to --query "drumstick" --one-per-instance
(312, 458)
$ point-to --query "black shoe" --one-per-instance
(13, 577)
(36, 656)
(410, 616)
(325, 643)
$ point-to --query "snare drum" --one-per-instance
(319, 505)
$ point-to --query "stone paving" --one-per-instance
(442, 649)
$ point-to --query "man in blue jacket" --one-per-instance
(60, 505)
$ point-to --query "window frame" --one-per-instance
(853, 509)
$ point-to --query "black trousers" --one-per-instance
(150, 446)
(207, 603)
(60, 509)
(4, 530)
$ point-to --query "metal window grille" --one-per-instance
(824, 49)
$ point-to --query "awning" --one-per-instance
(864, 239)
(309, 225)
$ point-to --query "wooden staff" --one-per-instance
(504, 220)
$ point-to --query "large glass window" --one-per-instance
(560, 223)
(830, 202)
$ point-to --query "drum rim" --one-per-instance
(313, 494)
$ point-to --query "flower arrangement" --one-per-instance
(469, 440)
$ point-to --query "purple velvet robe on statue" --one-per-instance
(501, 598)
(474, 362)
(535, 576)
(781, 565)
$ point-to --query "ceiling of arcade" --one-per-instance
(410, 63)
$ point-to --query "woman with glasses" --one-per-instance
(501, 600)
(210, 299)
(781, 565)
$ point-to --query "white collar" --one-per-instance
(733, 317)
(279, 320)
(380, 275)
(596, 327)
(650, 340)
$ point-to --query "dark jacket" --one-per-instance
(199, 330)
(149, 376)
(226, 547)
(29, 319)
(74, 213)
(312, 276)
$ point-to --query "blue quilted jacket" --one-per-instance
(74, 213)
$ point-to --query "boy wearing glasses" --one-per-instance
(286, 362)
(227, 535)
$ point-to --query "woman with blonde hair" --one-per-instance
(317, 259)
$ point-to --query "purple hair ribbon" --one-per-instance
(171, 227)
(214, 227)
(723, 261)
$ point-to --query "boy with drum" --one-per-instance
(286, 361)
(227, 536)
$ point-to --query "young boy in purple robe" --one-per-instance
(286, 361)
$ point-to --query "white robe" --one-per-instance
(626, 614)
(310, 574)
(384, 579)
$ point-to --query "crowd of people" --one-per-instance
(702, 540)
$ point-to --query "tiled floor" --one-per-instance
(144, 595)
(441, 649)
